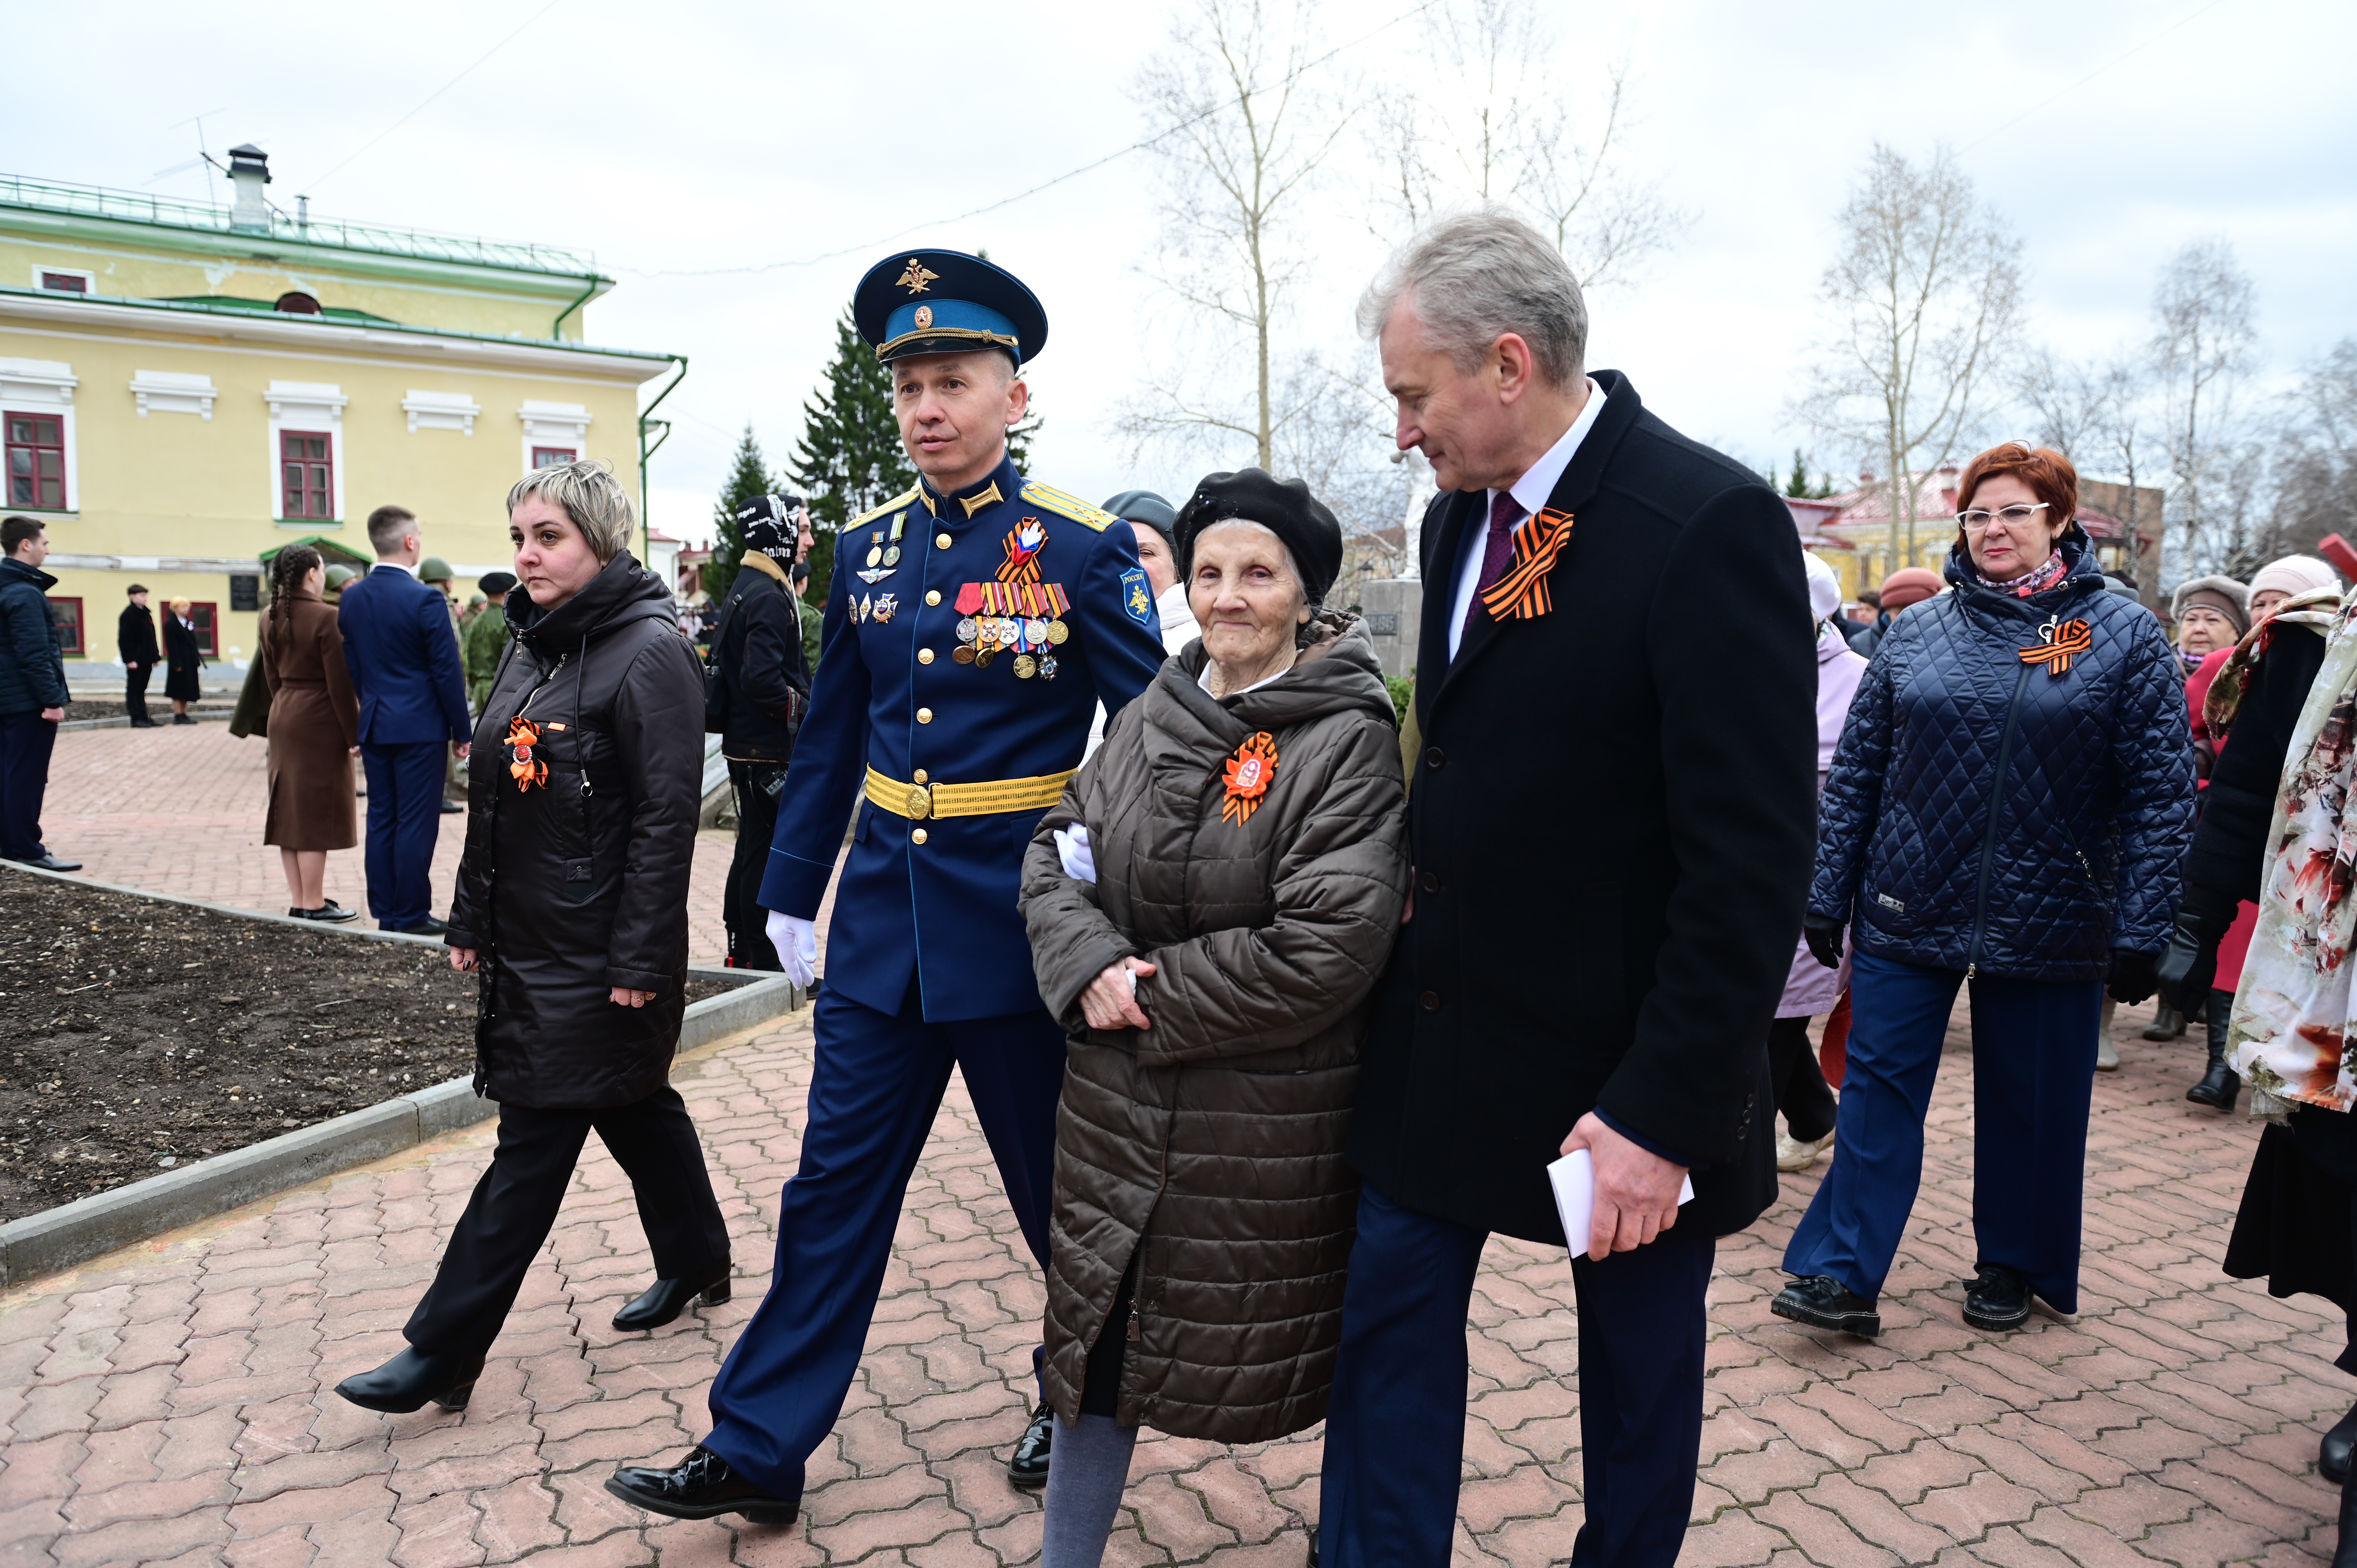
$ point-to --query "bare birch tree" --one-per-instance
(2100, 416)
(2202, 343)
(1926, 298)
(1250, 131)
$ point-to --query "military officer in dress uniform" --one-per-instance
(972, 628)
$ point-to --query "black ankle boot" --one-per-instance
(2221, 1085)
(2345, 1554)
(2332, 1455)
(669, 1298)
(411, 1379)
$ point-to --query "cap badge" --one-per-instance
(1248, 774)
(915, 279)
(925, 316)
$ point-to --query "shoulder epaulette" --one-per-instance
(1063, 505)
(903, 498)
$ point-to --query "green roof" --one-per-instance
(270, 307)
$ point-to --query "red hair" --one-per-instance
(2047, 472)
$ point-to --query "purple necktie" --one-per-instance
(1504, 512)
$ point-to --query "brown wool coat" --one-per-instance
(1212, 1143)
(314, 720)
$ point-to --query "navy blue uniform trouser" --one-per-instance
(1395, 1430)
(2033, 1074)
(26, 741)
(404, 814)
(516, 1199)
(875, 1086)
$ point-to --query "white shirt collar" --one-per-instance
(1539, 480)
(1204, 680)
(398, 566)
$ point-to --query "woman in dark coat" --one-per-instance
(313, 727)
(1209, 906)
(182, 659)
(571, 906)
(2009, 806)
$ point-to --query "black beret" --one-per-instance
(1145, 507)
(496, 582)
(1284, 507)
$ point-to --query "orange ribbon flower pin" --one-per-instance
(1248, 775)
(525, 769)
(1521, 592)
(2060, 643)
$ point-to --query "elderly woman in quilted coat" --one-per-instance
(2009, 806)
(1209, 906)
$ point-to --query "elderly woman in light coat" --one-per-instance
(1209, 906)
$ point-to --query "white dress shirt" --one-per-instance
(1530, 493)
(396, 566)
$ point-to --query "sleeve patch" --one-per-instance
(1137, 596)
(1063, 505)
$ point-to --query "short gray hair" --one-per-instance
(1474, 277)
(588, 494)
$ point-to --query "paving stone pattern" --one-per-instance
(168, 1405)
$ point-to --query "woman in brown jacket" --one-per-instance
(1209, 906)
(315, 722)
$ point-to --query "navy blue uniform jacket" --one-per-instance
(404, 661)
(890, 696)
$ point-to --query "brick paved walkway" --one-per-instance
(168, 1404)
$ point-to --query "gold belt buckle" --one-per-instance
(919, 803)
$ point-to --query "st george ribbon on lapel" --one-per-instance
(1521, 594)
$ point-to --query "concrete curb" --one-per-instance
(74, 1232)
(122, 721)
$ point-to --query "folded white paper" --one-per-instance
(1573, 1176)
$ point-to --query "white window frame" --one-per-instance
(310, 406)
(441, 411)
(45, 386)
(173, 392)
(89, 278)
(554, 424)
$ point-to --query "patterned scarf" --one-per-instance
(2035, 581)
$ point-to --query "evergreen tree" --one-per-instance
(850, 459)
(1801, 485)
(749, 475)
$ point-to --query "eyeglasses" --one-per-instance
(1977, 521)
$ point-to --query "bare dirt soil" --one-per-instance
(136, 1035)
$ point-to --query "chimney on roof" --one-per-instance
(1865, 475)
(249, 171)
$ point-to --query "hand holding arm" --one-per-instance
(1110, 1000)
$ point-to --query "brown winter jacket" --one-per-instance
(1212, 1143)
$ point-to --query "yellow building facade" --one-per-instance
(185, 388)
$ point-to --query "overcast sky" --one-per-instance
(696, 137)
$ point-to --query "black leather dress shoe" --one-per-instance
(428, 927)
(2332, 1455)
(1822, 1301)
(701, 1485)
(451, 808)
(1998, 1302)
(669, 1298)
(1027, 1467)
(411, 1379)
(44, 861)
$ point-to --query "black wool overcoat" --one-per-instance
(1611, 819)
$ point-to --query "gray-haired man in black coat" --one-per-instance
(1611, 820)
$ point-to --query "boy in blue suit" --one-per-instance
(413, 693)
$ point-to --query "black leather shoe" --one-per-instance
(145, 723)
(428, 927)
(451, 808)
(411, 1378)
(44, 861)
(1027, 1468)
(2332, 1454)
(669, 1298)
(1997, 1301)
(182, 719)
(2345, 1554)
(1822, 1301)
(701, 1485)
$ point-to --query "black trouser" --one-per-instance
(26, 741)
(515, 1204)
(756, 784)
(1802, 1093)
(134, 691)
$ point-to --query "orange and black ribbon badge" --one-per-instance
(2060, 643)
(1521, 594)
(1248, 775)
(525, 769)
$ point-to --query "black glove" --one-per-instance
(2189, 965)
(2133, 975)
(1823, 934)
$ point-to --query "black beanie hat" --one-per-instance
(1284, 507)
(1134, 507)
(767, 523)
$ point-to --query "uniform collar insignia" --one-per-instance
(976, 502)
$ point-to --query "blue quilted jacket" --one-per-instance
(1983, 813)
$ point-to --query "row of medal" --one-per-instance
(879, 608)
(982, 638)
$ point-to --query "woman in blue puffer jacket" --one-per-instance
(2009, 806)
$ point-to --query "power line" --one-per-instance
(2046, 103)
(437, 92)
(1164, 135)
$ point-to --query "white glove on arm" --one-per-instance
(797, 944)
(1072, 848)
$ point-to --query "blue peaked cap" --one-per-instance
(946, 302)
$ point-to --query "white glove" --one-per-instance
(1072, 848)
(797, 944)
